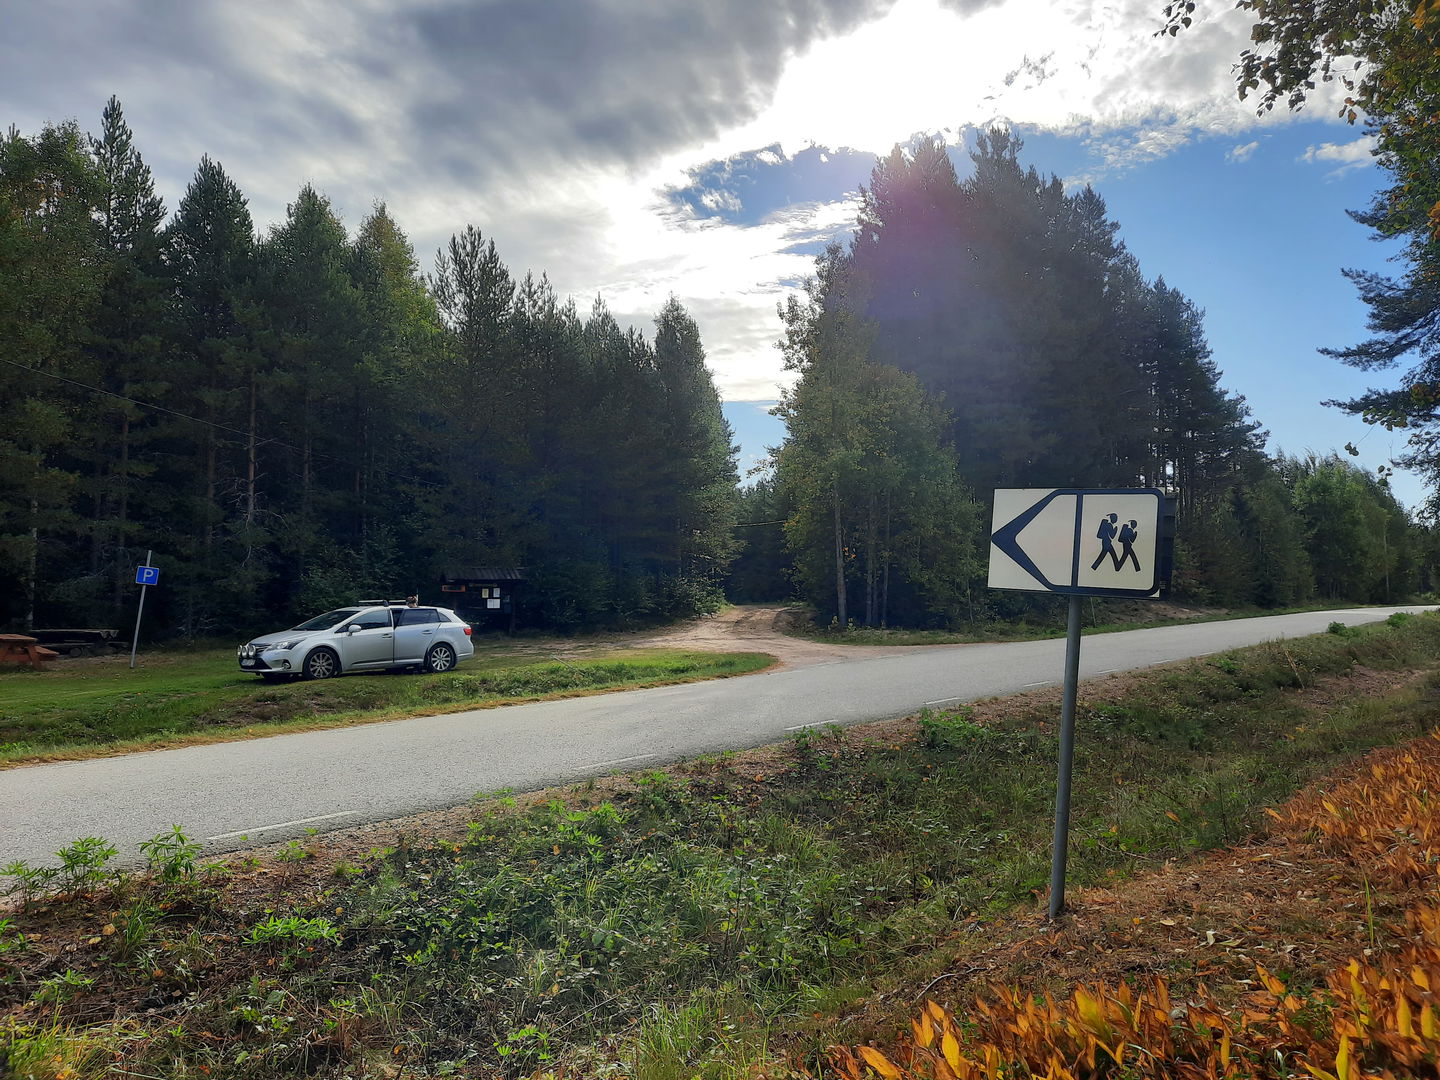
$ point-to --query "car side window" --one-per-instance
(371, 620)
(417, 617)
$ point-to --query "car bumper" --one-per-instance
(273, 661)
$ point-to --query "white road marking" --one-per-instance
(1042, 682)
(802, 727)
(620, 761)
(929, 704)
(1108, 671)
(282, 825)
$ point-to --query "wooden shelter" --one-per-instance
(483, 595)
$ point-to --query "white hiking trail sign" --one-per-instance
(1078, 541)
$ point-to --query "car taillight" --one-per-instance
(467, 631)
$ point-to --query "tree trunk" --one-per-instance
(885, 580)
(122, 516)
(870, 567)
(250, 449)
(839, 560)
(33, 569)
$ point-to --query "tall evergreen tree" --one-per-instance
(210, 256)
(128, 355)
(51, 263)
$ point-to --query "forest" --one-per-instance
(295, 418)
(992, 331)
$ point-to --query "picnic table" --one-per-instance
(19, 649)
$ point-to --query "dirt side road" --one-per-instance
(756, 628)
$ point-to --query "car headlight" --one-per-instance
(283, 645)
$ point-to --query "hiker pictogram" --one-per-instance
(1106, 534)
(1110, 530)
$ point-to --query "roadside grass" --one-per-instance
(89, 708)
(704, 919)
(1100, 617)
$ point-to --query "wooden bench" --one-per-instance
(22, 650)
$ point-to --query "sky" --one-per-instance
(638, 148)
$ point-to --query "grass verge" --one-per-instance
(1100, 617)
(707, 919)
(91, 708)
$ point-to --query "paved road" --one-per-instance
(271, 789)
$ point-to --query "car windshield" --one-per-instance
(329, 619)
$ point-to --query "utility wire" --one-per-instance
(208, 423)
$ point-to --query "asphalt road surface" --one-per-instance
(267, 790)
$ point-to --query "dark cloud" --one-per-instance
(481, 91)
(610, 81)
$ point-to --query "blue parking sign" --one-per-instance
(147, 575)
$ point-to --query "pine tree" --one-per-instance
(51, 260)
(128, 356)
(210, 257)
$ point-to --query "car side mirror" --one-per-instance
(353, 628)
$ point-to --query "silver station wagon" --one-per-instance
(368, 636)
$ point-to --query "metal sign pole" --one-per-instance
(1067, 759)
(135, 638)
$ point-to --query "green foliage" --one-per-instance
(1384, 56)
(951, 729)
(292, 929)
(61, 988)
(82, 867)
(879, 526)
(170, 857)
(11, 939)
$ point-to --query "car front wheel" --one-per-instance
(321, 664)
(441, 657)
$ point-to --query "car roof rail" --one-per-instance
(387, 603)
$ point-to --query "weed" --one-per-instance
(133, 928)
(524, 1047)
(292, 928)
(11, 939)
(82, 867)
(950, 729)
(58, 989)
(170, 856)
(82, 863)
(293, 852)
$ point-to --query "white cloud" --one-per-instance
(1356, 154)
(1242, 153)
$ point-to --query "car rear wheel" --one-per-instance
(441, 657)
(321, 664)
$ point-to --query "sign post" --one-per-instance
(145, 576)
(1078, 542)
